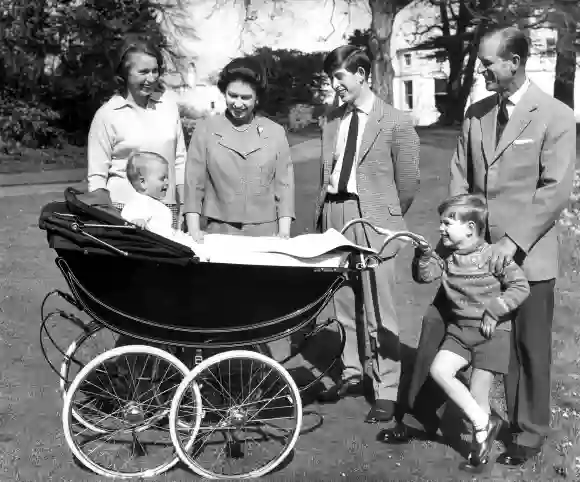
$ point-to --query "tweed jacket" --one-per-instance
(240, 177)
(527, 179)
(387, 168)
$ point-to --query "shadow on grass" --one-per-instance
(451, 423)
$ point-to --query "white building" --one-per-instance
(419, 80)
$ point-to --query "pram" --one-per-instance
(173, 381)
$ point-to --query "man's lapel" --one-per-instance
(521, 117)
(330, 136)
(372, 129)
(487, 123)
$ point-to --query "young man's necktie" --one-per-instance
(502, 118)
(349, 153)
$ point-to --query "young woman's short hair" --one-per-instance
(135, 44)
(138, 163)
(467, 207)
(347, 57)
(248, 70)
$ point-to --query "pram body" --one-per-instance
(147, 288)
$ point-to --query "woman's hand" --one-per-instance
(284, 234)
(197, 235)
(284, 227)
(193, 227)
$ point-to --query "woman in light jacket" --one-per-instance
(238, 172)
(140, 117)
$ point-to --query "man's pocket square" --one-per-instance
(523, 141)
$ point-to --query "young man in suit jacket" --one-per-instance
(518, 149)
(370, 157)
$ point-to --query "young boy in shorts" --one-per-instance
(147, 172)
(480, 305)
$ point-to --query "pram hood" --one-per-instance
(68, 222)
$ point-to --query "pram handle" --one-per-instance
(407, 236)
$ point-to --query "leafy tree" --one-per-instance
(58, 54)
(566, 19)
(455, 35)
(294, 77)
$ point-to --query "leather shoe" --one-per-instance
(517, 455)
(402, 434)
(342, 389)
(382, 411)
(481, 450)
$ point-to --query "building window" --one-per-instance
(409, 94)
(440, 94)
(407, 59)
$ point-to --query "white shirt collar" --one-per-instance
(366, 107)
(518, 94)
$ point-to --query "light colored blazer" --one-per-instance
(387, 172)
(241, 178)
(527, 179)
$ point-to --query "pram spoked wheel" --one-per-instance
(250, 421)
(96, 340)
(122, 400)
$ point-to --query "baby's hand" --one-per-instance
(142, 223)
(488, 324)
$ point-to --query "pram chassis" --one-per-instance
(190, 340)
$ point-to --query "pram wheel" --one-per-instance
(125, 394)
(250, 421)
(97, 340)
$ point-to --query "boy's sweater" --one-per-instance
(471, 287)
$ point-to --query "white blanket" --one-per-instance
(330, 249)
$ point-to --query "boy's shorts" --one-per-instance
(492, 355)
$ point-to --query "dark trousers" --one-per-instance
(528, 382)
(424, 396)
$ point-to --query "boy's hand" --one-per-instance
(488, 324)
(142, 223)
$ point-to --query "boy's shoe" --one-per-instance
(480, 453)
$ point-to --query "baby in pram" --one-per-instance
(148, 174)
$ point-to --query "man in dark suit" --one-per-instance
(518, 149)
(370, 156)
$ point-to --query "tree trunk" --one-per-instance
(566, 63)
(469, 73)
(383, 15)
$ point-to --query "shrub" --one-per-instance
(26, 125)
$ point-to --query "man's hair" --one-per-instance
(467, 207)
(347, 57)
(138, 163)
(513, 41)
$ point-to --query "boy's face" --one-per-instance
(154, 181)
(454, 232)
(347, 85)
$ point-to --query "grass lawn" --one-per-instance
(32, 447)
(73, 157)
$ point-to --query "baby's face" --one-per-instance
(155, 181)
